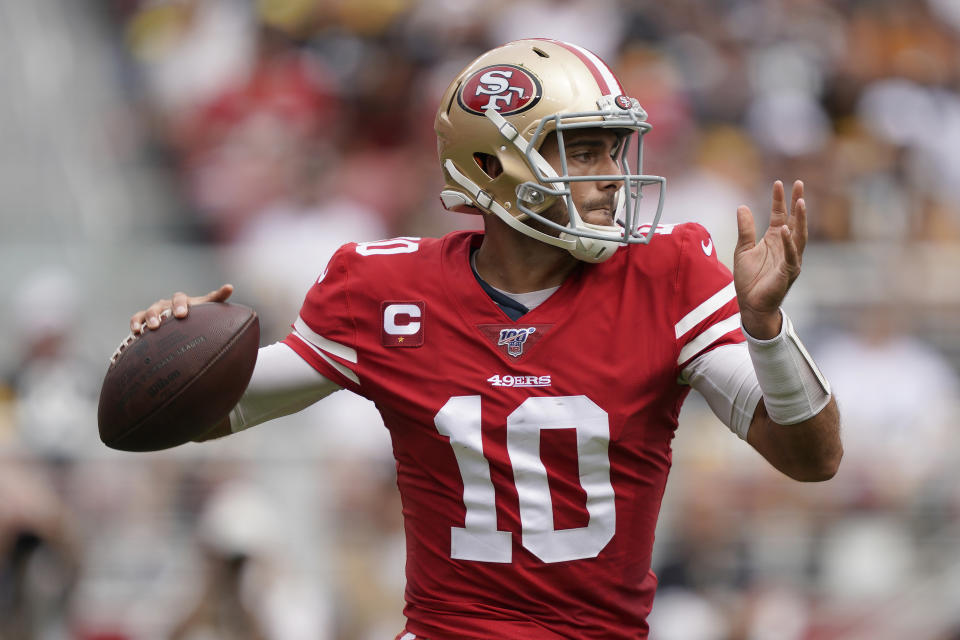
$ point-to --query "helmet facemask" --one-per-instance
(586, 241)
(594, 243)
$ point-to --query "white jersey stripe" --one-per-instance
(708, 337)
(408, 636)
(613, 86)
(344, 371)
(711, 305)
(340, 350)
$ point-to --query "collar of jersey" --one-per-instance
(476, 303)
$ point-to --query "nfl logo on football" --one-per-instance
(514, 339)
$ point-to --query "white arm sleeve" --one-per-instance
(282, 383)
(726, 379)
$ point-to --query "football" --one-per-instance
(172, 384)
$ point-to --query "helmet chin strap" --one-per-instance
(591, 249)
(487, 202)
(585, 249)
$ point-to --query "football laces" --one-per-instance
(131, 338)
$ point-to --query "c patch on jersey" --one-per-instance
(512, 340)
(402, 323)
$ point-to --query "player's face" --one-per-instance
(589, 152)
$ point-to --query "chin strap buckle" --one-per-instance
(484, 199)
(530, 194)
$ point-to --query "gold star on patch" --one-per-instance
(400, 339)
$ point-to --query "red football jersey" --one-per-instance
(532, 455)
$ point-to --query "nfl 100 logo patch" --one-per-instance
(514, 339)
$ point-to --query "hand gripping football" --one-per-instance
(172, 384)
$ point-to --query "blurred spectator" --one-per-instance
(593, 24)
(899, 406)
(245, 593)
(189, 50)
(288, 246)
(250, 145)
(39, 562)
(371, 550)
(235, 530)
(722, 178)
(55, 394)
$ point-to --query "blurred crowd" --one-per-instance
(272, 131)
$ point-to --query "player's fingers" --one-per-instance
(778, 207)
(154, 313)
(746, 232)
(217, 295)
(798, 226)
(795, 195)
(179, 302)
(790, 253)
(222, 293)
(136, 322)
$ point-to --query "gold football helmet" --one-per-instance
(505, 104)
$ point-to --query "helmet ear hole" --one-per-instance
(489, 164)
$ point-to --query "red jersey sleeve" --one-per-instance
(325, 333)
(706, 313)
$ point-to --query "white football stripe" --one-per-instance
(708, 337)
(344, 371)
(711, 305)
(317, 340)
(613, 86)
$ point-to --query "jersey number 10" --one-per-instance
(479, 539)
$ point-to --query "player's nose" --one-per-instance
(608, 167)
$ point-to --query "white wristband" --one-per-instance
(793, 388)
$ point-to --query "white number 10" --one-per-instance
(479, 539)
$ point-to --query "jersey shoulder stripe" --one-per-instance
(707, 308)
(712, 334)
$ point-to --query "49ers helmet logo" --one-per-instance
(507, 88)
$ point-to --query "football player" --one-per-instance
(531, 375)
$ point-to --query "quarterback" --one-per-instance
(531, 375)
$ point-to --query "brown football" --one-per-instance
(174, 383)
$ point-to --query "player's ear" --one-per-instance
(489, 164)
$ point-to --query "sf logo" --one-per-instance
(503, 87)
(495, 84)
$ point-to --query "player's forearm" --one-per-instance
(808, 451)
(797, 426)
(282, 383)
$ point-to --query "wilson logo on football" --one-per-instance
(503, 87)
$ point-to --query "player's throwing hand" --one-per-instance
(763, 271)
(178, 305)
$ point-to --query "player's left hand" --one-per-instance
(763, 271)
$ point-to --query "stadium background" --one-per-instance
(148, 146)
